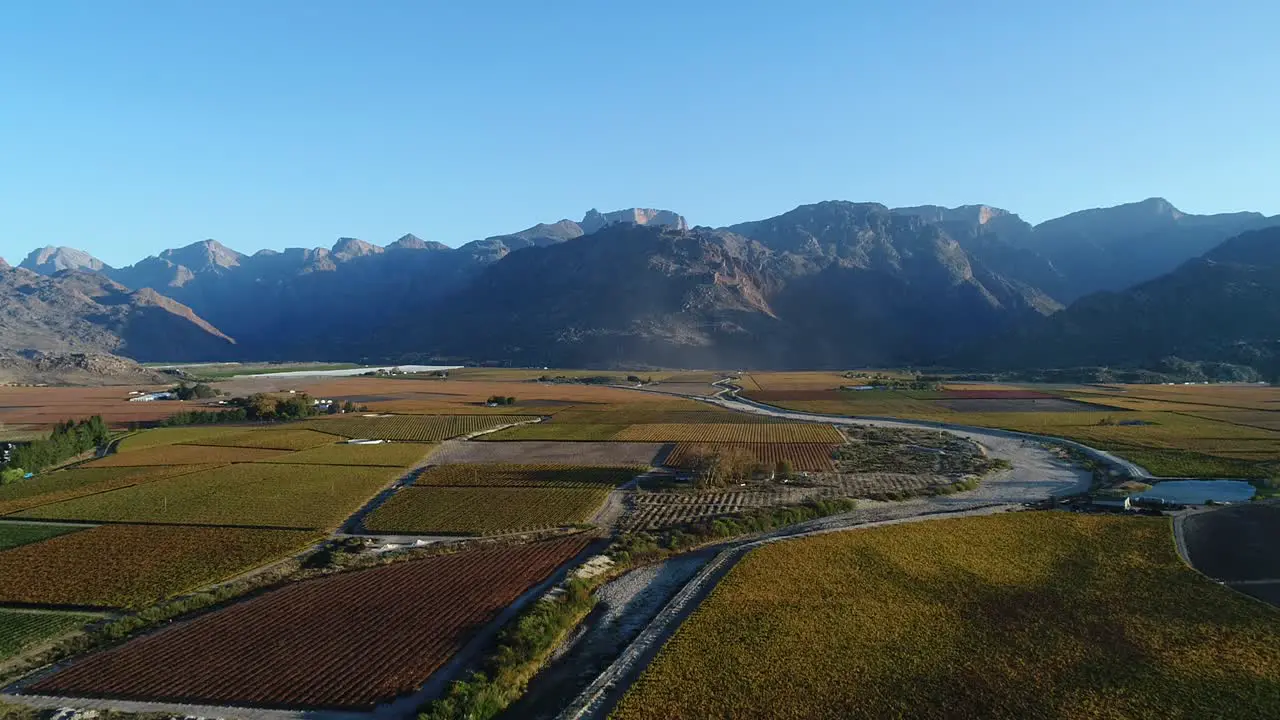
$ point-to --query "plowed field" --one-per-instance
(732, 433)
(811, 457)
(349, 641)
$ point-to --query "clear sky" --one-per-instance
(129, 127)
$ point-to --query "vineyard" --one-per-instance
(68, 484)
(545, 475)
(732, 433)
(132, 566)
(412, 428)
(484, 510)
(398, 454)
(287, 439)
(809, 457)
(651, 511)
(1017, 615)
(293, 496)
(349, 641)
(171, 436)
(20, 629)
(183, 455)
(613, 454)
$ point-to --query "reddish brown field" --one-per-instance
(810, 457)
(348, 641)
(465, 396)
(45, 406)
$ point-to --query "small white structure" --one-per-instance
(148, 397)
(364, 441)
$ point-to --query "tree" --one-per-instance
(782, 469)
(511, 400)
(335, 407)
(348, 407)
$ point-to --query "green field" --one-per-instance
(1021, 615)
(399, 454)
(171, 436)
(67, 484)
(484, 510)
(270, 439)
(20, 629)
(269, 495)
(133, 566)
(14, 534)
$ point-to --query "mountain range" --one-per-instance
(832, 284)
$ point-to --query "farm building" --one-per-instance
(149, 397)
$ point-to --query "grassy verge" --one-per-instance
(523, 646)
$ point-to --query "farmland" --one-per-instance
(565, 453)
(171, 436)
(1008, 616)
(544, 475)
(132, 566)
(20, 629)
(183, 455)
(412, 428)
(14, 534)
(731, 433)
(68, 484)
(293, 496)
(812, 457)
(270, 439)
(384, 455)
(349, 641)
(484, 510)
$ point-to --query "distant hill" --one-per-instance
(78, 312)
(1223, 306)
(830, 284)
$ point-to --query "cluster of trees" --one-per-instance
(199, 391)
(68, 439)
(500, 400)
(719, 467)
(261, 407)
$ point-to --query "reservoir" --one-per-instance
(1199, 492)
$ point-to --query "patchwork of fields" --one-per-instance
(987, 617)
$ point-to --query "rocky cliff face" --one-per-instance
(49, 260)
(594, 220)
(77, 312)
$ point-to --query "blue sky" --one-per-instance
(129, 127)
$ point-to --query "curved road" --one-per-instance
(1036, 474)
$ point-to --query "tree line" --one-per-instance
(67, 440)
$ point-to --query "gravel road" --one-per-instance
(1035, 474)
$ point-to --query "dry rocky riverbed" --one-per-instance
(626, 606)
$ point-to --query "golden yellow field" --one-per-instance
(1021, 615)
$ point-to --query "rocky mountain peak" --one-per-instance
(49, 260)
(595, 220)
(348, 248)
(203, 255)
